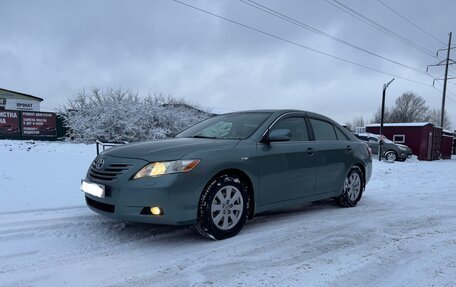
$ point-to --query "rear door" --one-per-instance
(335, 152)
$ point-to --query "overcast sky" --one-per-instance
(53, 49)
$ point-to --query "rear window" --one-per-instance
(323, 130)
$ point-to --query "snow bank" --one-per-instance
(38, 175)
(402, 233)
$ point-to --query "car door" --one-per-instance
(373, 144)
(335, 152)
(287, 169)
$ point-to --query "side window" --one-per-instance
(363, 138)
(297, 127)
(340, 135)
(373, 140)
(323, 131)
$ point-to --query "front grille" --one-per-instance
(109, 173)
(100, 205)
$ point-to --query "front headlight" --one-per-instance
(403, 148)
(167, 167)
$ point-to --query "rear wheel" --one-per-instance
(352, 190)
(223, 206)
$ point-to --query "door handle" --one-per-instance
(349, 148)
(310, 151)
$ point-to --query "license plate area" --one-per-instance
(92, 188)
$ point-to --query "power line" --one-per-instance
(423, 11)
(448, 90)
(379, 27)
(451, 92)
(410, 22)
(297, 44)
(324, 34)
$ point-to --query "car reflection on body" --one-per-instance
(222, 171)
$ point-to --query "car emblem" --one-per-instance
(99, 163)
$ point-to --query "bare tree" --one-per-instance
(358, 122)
(412, 108)
(409, 108)
(433, 116)
(378, 116)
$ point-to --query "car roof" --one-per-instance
(285, 111)
(367, 135)
(268, 111)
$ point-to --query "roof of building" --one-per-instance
(422, 124)
(22, 94)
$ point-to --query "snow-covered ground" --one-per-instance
(402, 233)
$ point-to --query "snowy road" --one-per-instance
(401, 234)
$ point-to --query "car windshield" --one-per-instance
(228, 126)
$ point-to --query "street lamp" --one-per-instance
(380, 148)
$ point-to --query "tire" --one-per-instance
(390, 155)
(223, 208)
(352, 190)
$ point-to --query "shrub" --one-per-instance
(116, 115)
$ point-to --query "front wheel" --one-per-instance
(223, 206)
(390, 155)
(352, 190)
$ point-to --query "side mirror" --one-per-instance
(279, 135)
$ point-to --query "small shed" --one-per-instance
(16, 101)
(423, 138)
(454, 142)
(448, 140)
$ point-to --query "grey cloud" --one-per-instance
(52, 49)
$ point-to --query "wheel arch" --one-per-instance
(247, 180)
(362, 168)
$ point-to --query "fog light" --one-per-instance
(156, 210)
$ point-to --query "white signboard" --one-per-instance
(22, 105)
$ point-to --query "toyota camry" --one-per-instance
(223, 171)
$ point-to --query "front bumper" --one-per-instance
(126, 199)
(403, 155)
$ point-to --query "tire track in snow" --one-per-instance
(75, 238)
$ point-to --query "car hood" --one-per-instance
(169, 149)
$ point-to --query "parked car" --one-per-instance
(391, 150)
(226, 169)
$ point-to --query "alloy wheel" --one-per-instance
(352, 186)
(227, 206)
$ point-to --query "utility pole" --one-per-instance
(442, 115)
(447, 62)
(380, 146)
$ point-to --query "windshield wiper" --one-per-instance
(203, 137)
